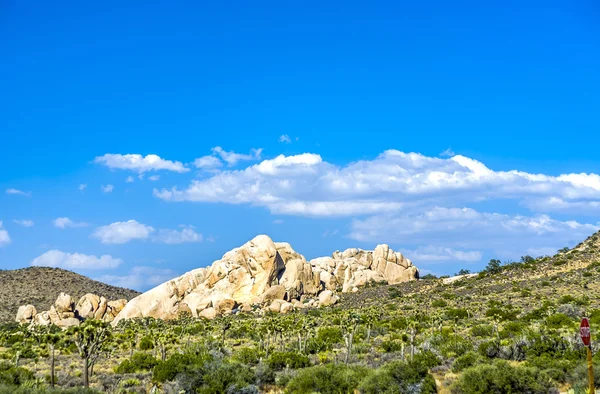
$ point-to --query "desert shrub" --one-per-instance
(281, 360)
(465, 361)
(482, 330)
(439, 304)
(11, 375)
(218, 377)
(325, 339)
(179, 364)
(501, 377)
(457, 313)
(403, 377)
(501, 313)
(138, 363)
(146, 343)
(327, 379)
(391, 345)
(512, 329)
(558, 320)
(393, 292)
(248, 355)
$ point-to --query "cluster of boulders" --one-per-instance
(269, 276)
(65, 313)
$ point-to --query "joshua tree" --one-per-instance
(90, 337)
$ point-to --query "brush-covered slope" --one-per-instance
(40, 286)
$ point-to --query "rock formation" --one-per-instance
(271, 275)
(65, 313)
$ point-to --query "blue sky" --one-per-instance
(455, 133)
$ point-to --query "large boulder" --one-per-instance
(87, 306)
(64, 303)
(26, 314)
(276, 292)
(327, 298)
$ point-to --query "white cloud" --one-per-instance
(278, 221)
(207, 162)
(82, 187)
(465, 228)
(139, 278)
(139, 163)
(154, 178)
(18, 192)
(66, 222)
(4, 237)
(448, 153)
(285, 139)
(122, 232)
(432, 254)
(129, 179)
(232, 158)
(57, 258)
(107, 188)
(306, 185)
(186, 234)
(24, 223)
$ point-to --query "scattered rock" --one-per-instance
(208, 313)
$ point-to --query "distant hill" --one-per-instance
(40, 286)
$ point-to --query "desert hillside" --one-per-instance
(40, 286)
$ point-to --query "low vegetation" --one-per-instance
(501, 331)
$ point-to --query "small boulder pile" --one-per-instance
(65, 313)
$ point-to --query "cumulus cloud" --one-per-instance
(207, 162)
(67, 223)
(469, 229)
(107, 188)
(123, 232)
(129, 179)
(305, 184)
(4, 237)
(82, 187)
(139, 163)
(18, 192)
(285, 139)
(186, 234)
(24, 223)
(154, 178)
(140, 278)
(57, 258)
(232, 158)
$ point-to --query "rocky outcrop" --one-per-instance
(271, 275)
(65, 313)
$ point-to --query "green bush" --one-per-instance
(457, 313)
(327, 379)
(11, 375)
(403, 377)
(465, 361)
(139, 362)
(146, 343)
(559, 320)
(482, 330)
(281, 360)
(501, 377)
(439, 304)
(248, 355)
(325, 339)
